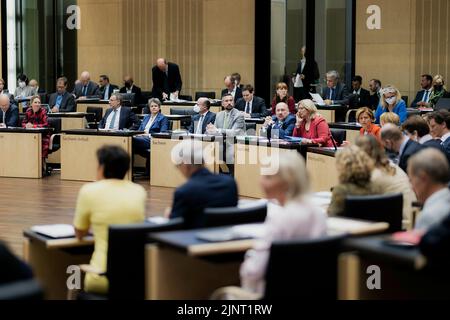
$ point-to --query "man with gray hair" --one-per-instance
(85, 87)
(9, 114)
(118, 117)
(203, 188)
(429, 173)
(336, 92)
(396, 142)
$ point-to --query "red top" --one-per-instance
(38, 120)
(374, 130)
(290, 102)
(319, 132)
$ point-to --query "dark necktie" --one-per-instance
(85, 91)
(247, 108)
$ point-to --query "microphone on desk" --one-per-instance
(332, 140)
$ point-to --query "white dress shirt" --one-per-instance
(116, 122)
(435, 210)
(199, 129)
(445, 137)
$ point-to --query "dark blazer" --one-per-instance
(203, 190)
(285, 130)
(162, 83)
(128, 120)
(411, 149)
(101, 91)
(209, 118)
(12, 116)
(374, 101)
(361, 100)
(13, 269)
(435, 244)
(160, 125)
(310, 71)
(259, 109)
(340, 96)
(446, 148)
(237, 96)
(92, 90)
(67, 105)
(419, 97)
(137, 94)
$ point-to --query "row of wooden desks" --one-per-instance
(178, 264)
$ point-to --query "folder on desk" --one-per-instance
(55, 231)
(317, 99)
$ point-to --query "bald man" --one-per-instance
(9, 114)
(166, 79)
(85, 87)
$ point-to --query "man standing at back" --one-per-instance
(203, 188)
(166, 80)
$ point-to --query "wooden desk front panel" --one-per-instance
(249, 160)
(163, 172)
(21, 155)
(165, 109)
(352, 135)
(79, 155)
(322, 172)
(82, 107)
(329, 115)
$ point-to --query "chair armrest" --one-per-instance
(87, 268)
(52, 139)
(349, 112)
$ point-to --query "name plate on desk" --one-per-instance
(159, 142)
(72, 138)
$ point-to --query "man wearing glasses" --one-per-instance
(118, 117)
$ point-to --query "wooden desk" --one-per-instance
(79, 148)
(255, 156)
(404, 272)
(166, 106)
(82, 105)
(334, 113)
(50, 259)
(352, 130)
(21, 152)
(163, 172)
(321, 166)
(69, 121)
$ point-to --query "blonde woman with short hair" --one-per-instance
(391, 101)
(439, 90)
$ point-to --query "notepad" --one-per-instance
(158, 220)
(317, 99)
(346, 225)
(241, 232)
(55, 231)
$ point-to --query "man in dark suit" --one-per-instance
(435, 244)
(251, 105)
(106, 88)
(281, 125)
(118, 117)
(423, 96)
(335, 92)
(231, 88)
(360, 96)
(203, 188)
(204, 117)
(85, 87)
(9, 113)
(129, 87)
(439, 123)
(375, 93)
(307, 73)
(394, 141)
(61, 100)
(166, 79)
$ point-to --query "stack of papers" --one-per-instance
(55, 231)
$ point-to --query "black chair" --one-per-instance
(303, 270)
(126, 259)
(145, 96)
(405, 98)
(443, 103)
(217, 217)
(339, 135)
(55, 139)
(378, 208)
(209, 95)
(128, 99)
(183, 112)
(95, 115)
(21, 291)
(186, 98)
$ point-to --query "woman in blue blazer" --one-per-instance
(155, 122)
(391, 101)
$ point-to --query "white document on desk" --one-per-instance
(55, 231)
(347, 225)
(317, 99)
(254, 231)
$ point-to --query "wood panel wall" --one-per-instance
(208, 39)
(413, 41)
